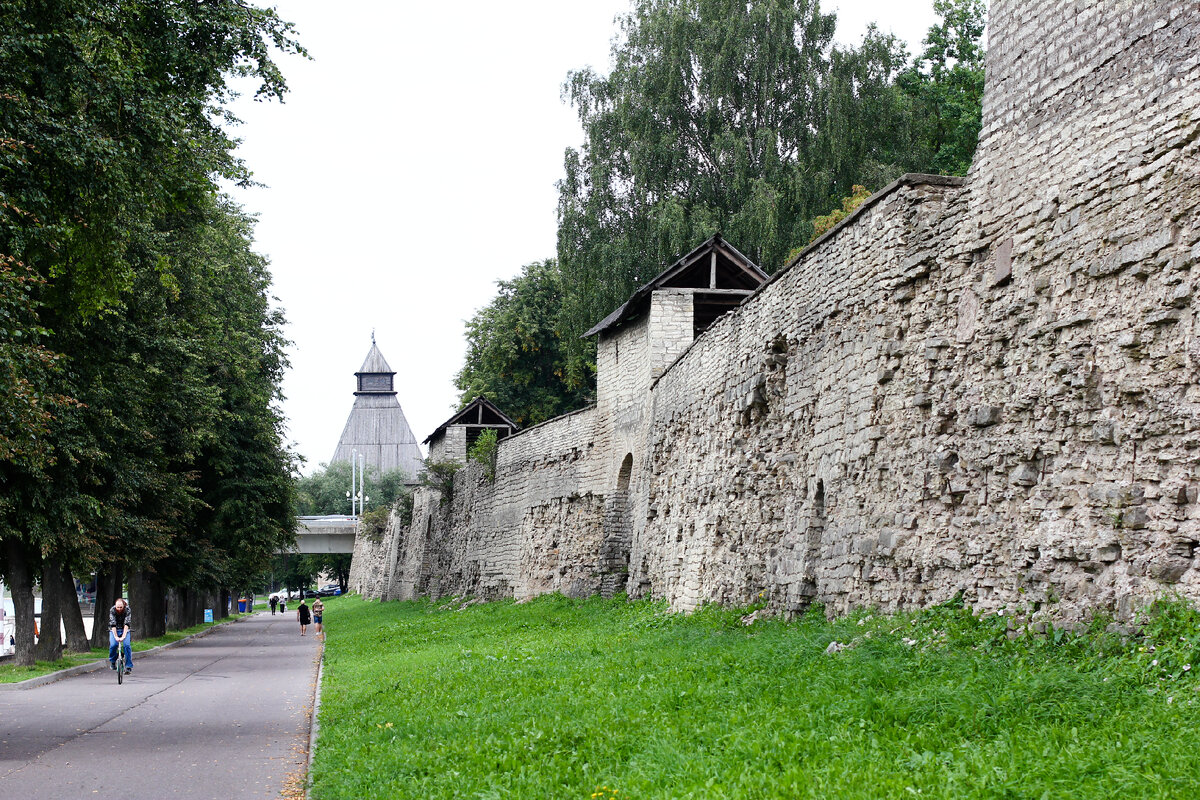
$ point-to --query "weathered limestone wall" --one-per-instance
(536, 528)
(989, 389)
(669, 331)
(450, 446)
(371, 563)
(984, 385)
(760, 425)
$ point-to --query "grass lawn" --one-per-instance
(10, 673)
(561, 698)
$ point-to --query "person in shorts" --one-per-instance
(318, 611)
(304, 616)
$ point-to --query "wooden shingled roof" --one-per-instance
(376, 427)
(375, 363)
(715, 265)
(480, 412)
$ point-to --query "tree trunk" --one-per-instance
(148, 603)
(195, 607)
(223, 604)
(176, 609)
(20, 584)
(49, 647)
(108, 588)
(77, 639)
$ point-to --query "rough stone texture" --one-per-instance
(450, 446)
(986, 386)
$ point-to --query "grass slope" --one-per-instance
(600, 699)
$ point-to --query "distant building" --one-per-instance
(377, 427)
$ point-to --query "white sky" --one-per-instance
(412, 166)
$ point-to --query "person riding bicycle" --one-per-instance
(120, 623)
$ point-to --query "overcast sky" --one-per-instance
(411, 167)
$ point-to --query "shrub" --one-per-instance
(440, 475)
(374, 523)
(484, 452)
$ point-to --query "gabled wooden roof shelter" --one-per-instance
(719, 274)
(479, 415)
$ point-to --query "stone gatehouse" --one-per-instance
(985, 385)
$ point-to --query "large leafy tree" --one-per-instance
(717, 115)
(324, 491)
(945, 87)
(515, 350)
(744, 118)
(111, 143)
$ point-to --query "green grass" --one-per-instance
(10, 673)
(560, 698)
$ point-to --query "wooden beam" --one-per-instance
(741, 264)
(712, 270)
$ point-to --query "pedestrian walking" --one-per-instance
(304, 616)
(318, 611)
(274, 604)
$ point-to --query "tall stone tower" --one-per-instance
(377, 427)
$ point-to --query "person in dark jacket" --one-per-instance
(274, 604)
(304, 615)
(120, 623)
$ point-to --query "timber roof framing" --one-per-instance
(479, 414)
(715, 267)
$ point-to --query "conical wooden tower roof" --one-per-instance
(377, 427)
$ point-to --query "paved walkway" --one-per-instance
(223, 717)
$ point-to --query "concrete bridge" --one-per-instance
(330, 534)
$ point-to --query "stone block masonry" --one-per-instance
(984, 385)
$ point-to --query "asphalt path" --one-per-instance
(222, 717)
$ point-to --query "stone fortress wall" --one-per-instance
(983, 385)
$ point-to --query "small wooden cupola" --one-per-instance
(375, 376)
(718, 275)
(478, 416)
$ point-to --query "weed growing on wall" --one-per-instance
(440, 475)
(484, 452)
(374, 523)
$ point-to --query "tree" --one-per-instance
(336, 565)
(110, 118)
(945, 87)
(324, 491)
(745, 118)
(717, 115)
(515, 351)
(294, 571)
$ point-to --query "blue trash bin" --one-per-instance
(242, 605)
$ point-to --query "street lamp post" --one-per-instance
(353, 493)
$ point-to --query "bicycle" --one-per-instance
(120, 663)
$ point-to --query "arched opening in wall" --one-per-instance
(618, 533)
(624, 473)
